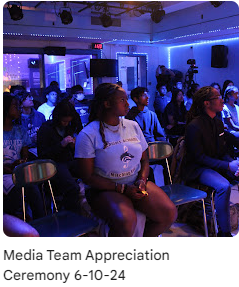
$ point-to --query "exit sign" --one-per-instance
(97, 46)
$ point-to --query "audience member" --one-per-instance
(15, 227)
(47, 108)
(160, 102)
(15, 152)
(146, 119)
(119, 83)
(65, 96)
(217, 87)
(189, 98)
(82, 105)
(226, 84)
(113, 160)
(231, 110)
(164, 76)
(54, 83)
(206, 158)
(31, 119)
(56, 141)
(175, 114)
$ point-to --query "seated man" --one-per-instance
(82, 105)
(149, 125)
(206, 160)
(146, 119)
(162, 98)
(31, 119)
(47, 108)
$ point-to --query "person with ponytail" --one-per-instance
(206, 159)
(112, 157)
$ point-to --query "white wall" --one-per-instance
(202, 53)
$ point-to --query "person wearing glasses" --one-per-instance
(206, 160)
(31, 119)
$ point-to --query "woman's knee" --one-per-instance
(124, 222)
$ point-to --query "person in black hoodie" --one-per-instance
(206, 158)
(56, 141)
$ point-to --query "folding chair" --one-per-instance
(178, 193)
(60, 224)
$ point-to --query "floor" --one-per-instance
(183, 230)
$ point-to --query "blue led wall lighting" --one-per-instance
(199, 43)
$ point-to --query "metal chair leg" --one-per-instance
(214, 214)
(23, 204)
(204, 218)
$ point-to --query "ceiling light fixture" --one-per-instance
(216, 3)
(15, 11)
(65, 14)
(105, 18)
(157, 15)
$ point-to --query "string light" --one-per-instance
(195, 44)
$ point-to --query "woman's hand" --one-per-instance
(67, 140)
(134, 192)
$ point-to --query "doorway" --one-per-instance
(132, 71)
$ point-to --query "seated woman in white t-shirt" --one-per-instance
(113, 161)
(231, 110)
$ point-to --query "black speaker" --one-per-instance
(219, 56)
(56, 51)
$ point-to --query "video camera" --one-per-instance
(192, 69)
(190, 73)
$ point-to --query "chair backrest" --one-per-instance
(34, 172)
(31, 172)
(178, 161)
(159, 150)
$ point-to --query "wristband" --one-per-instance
(143, 178)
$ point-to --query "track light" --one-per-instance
(157, 15)
(106, 20)
(66, 17)
(15, 11)
(216, 3)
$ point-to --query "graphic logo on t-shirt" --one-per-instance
(126, 157)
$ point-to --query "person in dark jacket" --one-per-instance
(206, 159)
(175, 114)
(146, 119)
(56, 141)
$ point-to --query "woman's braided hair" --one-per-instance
(198, 108)
(103, 92)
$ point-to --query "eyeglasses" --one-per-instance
(216, 98)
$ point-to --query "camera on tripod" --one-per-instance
(193, 68)
(190, 73)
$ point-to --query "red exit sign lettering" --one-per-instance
(97, 46)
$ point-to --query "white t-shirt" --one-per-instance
(46, 110)
(120, 160)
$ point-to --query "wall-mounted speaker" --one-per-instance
(219, 56)
(56, 51)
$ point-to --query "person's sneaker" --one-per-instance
(224, 234)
